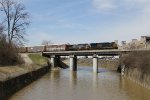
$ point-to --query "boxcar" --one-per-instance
(56, 48)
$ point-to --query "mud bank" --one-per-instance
(10, 86)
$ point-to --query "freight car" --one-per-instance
(63, 47)
(68, 47)
(35, 49)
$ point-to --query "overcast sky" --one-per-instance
(85, 21)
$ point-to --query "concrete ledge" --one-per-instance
(8, 87)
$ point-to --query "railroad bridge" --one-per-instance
(55, 56)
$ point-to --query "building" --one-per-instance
(143, 43)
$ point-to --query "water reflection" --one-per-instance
(82, 85)
(55, 79)
(73, 79)
(95, 81)
(134, 91)
(55, 74)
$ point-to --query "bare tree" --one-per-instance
(1, 29)
(45, 42)
(15, 21)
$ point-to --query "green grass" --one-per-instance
(38, 59)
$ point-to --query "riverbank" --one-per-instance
(13, 78)
(137, 67)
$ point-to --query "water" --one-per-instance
(82, 85)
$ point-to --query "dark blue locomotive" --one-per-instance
(105, 45)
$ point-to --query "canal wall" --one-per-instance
(137, 67)
(136, 75)
(10, 86)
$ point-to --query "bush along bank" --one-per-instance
(137, 67)
(8, 87)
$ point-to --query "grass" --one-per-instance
(9, 72)
(38, 59)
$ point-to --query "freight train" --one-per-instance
(69, 47)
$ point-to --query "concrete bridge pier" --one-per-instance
(53, 61)
(57, 61)
(95, 63)
(73, 63)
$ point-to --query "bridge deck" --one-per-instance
(85, 52)
(111, 52)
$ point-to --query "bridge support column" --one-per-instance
(53, 61)
(95, 64)
(73, 63)
(57, 61)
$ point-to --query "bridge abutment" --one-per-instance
(73, 63)
(95, 63)
(52, 62)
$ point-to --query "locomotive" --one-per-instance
(69, 47)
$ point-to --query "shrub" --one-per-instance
(139, 59)
(8, 53)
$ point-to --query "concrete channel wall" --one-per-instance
(9, 87)
(138, 77)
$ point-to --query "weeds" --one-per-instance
(8, 53)
(140, 60)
